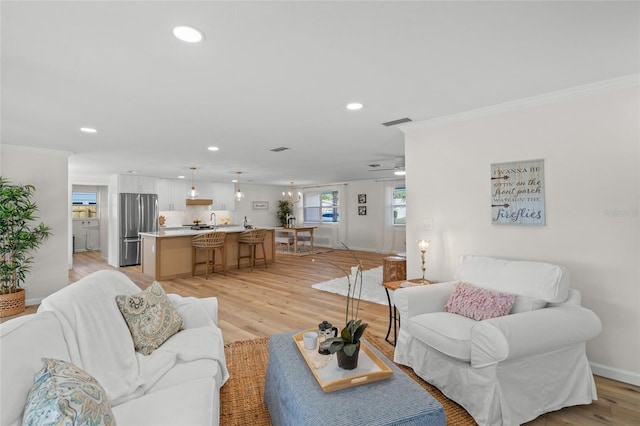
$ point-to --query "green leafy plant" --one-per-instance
(354, 328)
(18, 236)
(284, 210)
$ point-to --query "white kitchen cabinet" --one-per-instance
(172, 194)
(137, 184)
(223, 196)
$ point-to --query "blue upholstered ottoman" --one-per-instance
(295, 398)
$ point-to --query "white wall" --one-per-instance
(47, 171)
(591, 151)
(255, 192)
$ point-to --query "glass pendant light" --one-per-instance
(239, 194)
(193, 192)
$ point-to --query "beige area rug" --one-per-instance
(241, 398)
(316, 250)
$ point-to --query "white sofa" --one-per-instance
(510, 369)
(177, 384)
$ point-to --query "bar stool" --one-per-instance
(252, 239)
(211, 242)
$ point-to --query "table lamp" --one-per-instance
(423, 245)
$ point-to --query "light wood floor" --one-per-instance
(279, 299)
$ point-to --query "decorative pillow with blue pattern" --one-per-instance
(150, 317)
(64, 394)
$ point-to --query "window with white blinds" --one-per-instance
(321, 207)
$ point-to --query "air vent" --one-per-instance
(279, 149)
(398, 121)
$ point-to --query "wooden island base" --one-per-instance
(167, 255)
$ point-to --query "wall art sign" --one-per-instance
(517, 193)
(362, 198)
(362, 210)
(260, 205)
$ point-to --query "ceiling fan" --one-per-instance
(398, 167)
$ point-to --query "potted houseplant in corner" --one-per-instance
(284, 211)
(18, 237)
(347, 345)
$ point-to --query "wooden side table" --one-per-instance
(393, 314)
(394, 268)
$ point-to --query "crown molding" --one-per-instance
(591, 89)
(33, 149)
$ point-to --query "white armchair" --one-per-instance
(510, 369)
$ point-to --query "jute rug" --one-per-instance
(241, 398)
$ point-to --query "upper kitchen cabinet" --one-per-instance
(223, 196)
(172, 194)
(137, 184)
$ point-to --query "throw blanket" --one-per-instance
(100, 342)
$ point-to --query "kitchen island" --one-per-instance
(166, 254)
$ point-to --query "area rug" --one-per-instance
(242, 397)
(372, 289)
(303, 252)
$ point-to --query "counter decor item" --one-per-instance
(18, 239)
(347, 345)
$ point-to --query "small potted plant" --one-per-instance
(18, 237)
(347, 345)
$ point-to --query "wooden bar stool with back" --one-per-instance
(211, 242)
(252, 239)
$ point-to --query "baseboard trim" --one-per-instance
(615, 374)
(30, 302)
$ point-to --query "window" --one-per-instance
(399, 205)
(84, 204)
(321, 207)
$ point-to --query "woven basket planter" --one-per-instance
(12, 303)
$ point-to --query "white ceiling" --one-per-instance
(272, 74)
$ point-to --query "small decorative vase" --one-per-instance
(347, 362)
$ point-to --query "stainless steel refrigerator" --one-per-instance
(138, 213)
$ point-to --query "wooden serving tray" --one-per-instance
(331, 378)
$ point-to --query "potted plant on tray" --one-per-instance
(347, 345)
(18, 237)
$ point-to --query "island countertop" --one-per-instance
(168, 253)
(188, 232)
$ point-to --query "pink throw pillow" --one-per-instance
(477, 303)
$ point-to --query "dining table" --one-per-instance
(299, 230)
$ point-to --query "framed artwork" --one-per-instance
(260, 205)
(362, 198)
(517, 193)
(362, 210)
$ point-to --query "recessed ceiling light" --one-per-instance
(88, 130)
(399, 173)
(234, 180)
(213, 148)
(354, 106)
(180, 177)
(188, 34)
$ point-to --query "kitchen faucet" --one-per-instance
(214, 218)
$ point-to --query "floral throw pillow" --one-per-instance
(150, 317)
(64, 394)
(478, 303)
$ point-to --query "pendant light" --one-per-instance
(193, 193)
(239, 194)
